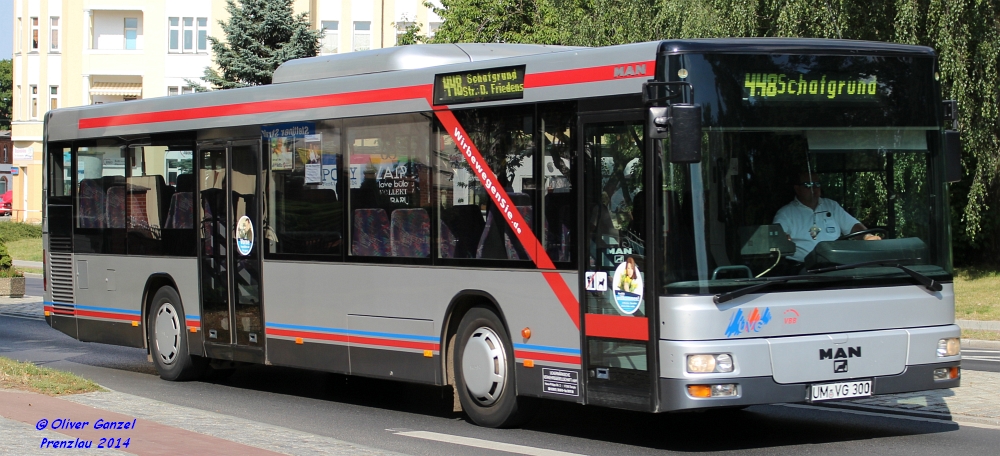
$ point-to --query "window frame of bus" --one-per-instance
(55, 162)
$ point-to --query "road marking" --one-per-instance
(891, 415)
(485, 444)
(980, 358)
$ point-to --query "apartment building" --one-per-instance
(81, 52)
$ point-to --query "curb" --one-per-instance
(943, 417)
(975, 343)
(983, 325)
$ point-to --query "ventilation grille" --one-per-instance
(61, 275)
(60, 244)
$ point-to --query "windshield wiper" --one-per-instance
(729, 296)
(927, 282)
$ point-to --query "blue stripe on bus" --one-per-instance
(192, 317)
(64, 304)
(569, 351)
(109, 310)
(353, 332)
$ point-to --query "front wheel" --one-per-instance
(484, 361)
(168, 342)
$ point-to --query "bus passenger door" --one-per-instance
(618, 359)
(229, 253)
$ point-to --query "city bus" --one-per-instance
(527, 223)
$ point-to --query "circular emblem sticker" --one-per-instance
(244, 236)
(627, 286)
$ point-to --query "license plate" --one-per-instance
(841, 390)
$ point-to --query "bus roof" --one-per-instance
(402, 58)
(399, 79)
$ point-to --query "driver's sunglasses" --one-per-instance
(811, 184)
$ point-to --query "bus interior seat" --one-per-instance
(115, 207)
(370, 236)
(448, 242)
(180, 214)
(491, 243)
(515, 251)
(91, 204)
(410, 233)
(560, 215)
(465, 223)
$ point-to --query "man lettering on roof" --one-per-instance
(810, 219)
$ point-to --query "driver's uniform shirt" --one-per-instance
(828, 221)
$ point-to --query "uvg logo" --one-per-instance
(630, 70)
(740, 324)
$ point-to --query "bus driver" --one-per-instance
(810, 219)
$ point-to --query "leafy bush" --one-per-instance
(7, 268)
(14, 231)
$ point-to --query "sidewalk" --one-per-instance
(156, 428)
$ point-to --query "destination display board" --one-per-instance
(819, 88)
(492, 84)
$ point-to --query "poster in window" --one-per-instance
(311, 155)
(627, 285)
(285, 141)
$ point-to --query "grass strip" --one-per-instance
(977, 294)
(29, 249)
(29, 377)
(980, 334)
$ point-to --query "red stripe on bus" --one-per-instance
(617, 327)
(355, 339)
(58, 311)
(261, 107)
(194, 323)
(582, 75)
(509, 212)
(108, 315)
(538, 356)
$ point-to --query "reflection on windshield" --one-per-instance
(777, 203)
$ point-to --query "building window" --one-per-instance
(53, 97)
(34, 34)
(433, 27)
(54, 33)
(362, 35)
(187, 34)
(401, 27)
(34, 102)
(171, 91)
(179, 90)
(17, 36)
(175, 34)
(331, 37)
(202, 34)
(131, 32)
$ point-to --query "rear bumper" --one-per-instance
(764, 390)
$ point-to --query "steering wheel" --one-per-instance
(875, 229)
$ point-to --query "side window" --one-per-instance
(304, 210)
(389, 175)
(60, 185)
(159, 199)
(471, 225)
(100, 216)
(559, 157)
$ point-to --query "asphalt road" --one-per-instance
(371, 412)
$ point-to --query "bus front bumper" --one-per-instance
(674, 394)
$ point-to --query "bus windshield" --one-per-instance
(794, 181)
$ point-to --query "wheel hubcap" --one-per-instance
(484, 366)
(168, 333)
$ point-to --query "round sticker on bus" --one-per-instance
(627, 287)
(244, 236)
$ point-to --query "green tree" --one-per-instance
(6, 93)
(965, 34)
(259, 36)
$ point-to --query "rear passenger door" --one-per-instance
(229, 253)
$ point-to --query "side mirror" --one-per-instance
(952, 156)
(682, 122)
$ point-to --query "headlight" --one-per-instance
(949, 347)
(701, 364)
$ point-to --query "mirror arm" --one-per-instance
(651, 91)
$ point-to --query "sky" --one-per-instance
(6, 24)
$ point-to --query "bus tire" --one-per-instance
(168, 344)
(484, 372)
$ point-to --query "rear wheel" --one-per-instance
(168, 342)
(484, 365)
